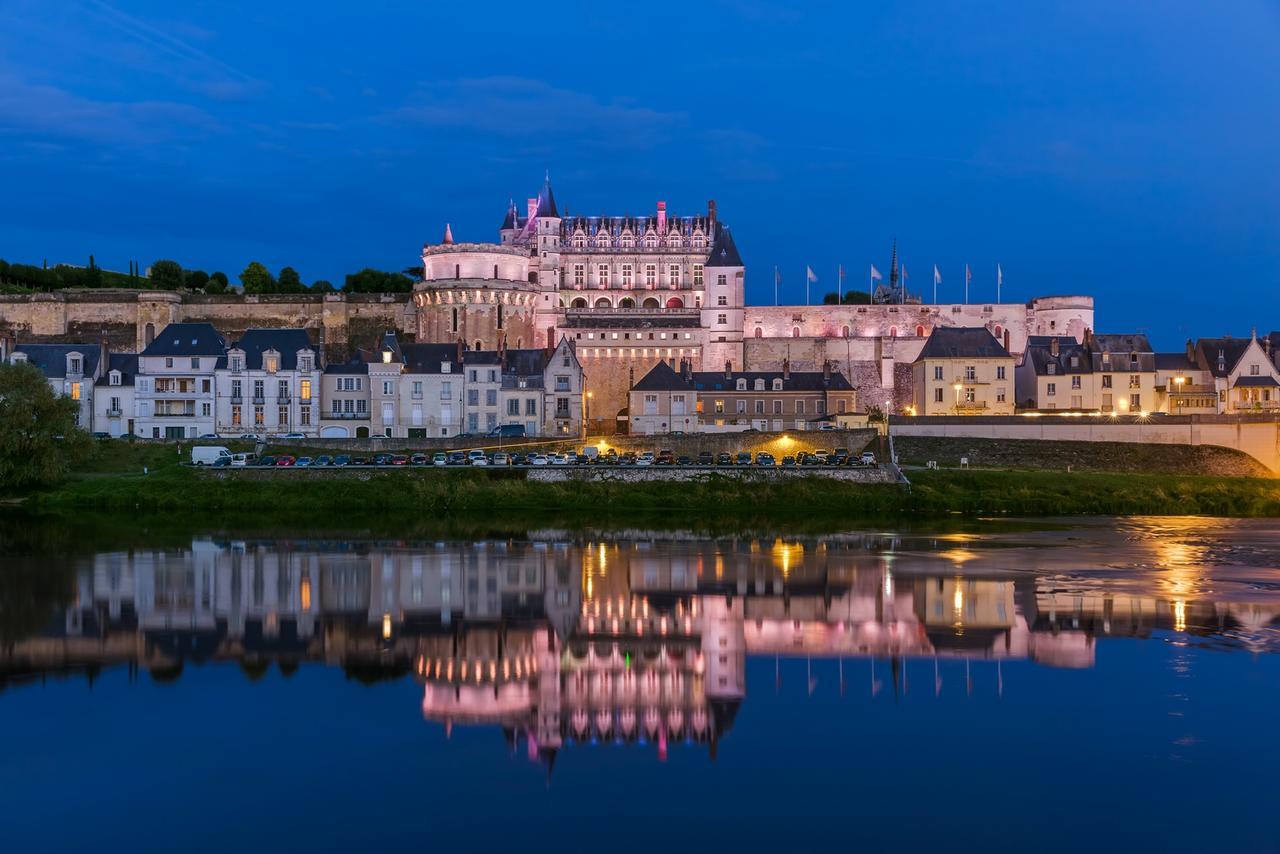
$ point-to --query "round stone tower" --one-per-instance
(479, 293)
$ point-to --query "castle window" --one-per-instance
(579, 242)
(699, 242)
(499, 315)
(495, 271)
(673, 276)
(626, 240)
(722, 300)
(626, 275)
(457, 271)
(697, 275)
(920, 331)
(650, 242)
(150, 333)
(844, 332)
(454, 327)
(759, 332)
(777, 404)
(795, 332)
(477, 343)
(602, 276)
(893, 332)
(579, 275)
(651, 276)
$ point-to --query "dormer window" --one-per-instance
(75, 365)
(386, 356)
(271, 362)
(237, 362)
(1051, 368)
(114, 378)
(304, 362)
(777, 385)
(742, 385)
(759, 385)
(446, 367)
(1075, 361)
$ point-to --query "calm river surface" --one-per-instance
(1099, 685)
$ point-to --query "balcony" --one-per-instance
(284, 400)
(259, 400)
(169, 414)
(971, 406)
(346, 416)
(114, 413)
(237, 399)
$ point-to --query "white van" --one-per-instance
(208, 455)
(244, 459)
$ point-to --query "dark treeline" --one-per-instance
(169, 275)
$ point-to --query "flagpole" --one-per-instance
(806, 285)
(839, 285)
(775, 284)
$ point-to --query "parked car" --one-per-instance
(399, 460)
(684, 460)
(324, 460)
(359, 461)
(208, 436)
(304, 461)
(292, 437)
(222, 462)
(501, 459)
(250, 437)
(763, 459)
(439, 458)
(244, 459)
(706, 458)
(266, 461)
(628, 459)
(342, 460)
(538, 459)
(558, 459)
(868, 458)
(665, 457)
(98, 434)
(788, 461)
(457, 458)
(645, 459)
(518, 459)
(286, 460)
(382, 459)
(507, 431)
(418, 460)
(477, 458)
(130, 436)
(724, 459)
(744, 458)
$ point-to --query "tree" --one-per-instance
(290, 282)
(257, 279)
(217, 283)
(371, 281)
(39, 439)
(166, 274)
(850, 298)
(197, 279)
(322, 286)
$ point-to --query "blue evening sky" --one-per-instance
(1130, 150)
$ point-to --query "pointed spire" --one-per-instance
(547, 200)
(893, 265)
(448, 235)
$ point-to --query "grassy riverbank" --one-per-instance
(428, 492)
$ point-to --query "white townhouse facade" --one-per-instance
(70, 369)
(269, 383)
(1243, 374)
(344, 395)
(113, 402)
(174, 387)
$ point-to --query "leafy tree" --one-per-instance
(166, 274)
(197, 279)
(290, 282)
(875, 414)
(371, 281)
(850, 298)
(322, 286)
(257, 279)
(38, 437)
(217, 283)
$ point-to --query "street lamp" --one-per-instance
(1177, 381)
(586, 413)
(957, 387)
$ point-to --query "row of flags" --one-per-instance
(876, 276)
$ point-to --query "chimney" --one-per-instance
(662, 217)
(686, 368)
(1088, 337)
(103, 359)
(1191, 351)
(461, 347)
(728, 370)
(1053, 346)
(826, 372)
(320, 348)
(533, 209)
(786, 369)
(711, 215)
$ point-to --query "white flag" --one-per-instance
(875, 274)
(999, 275)
(813, 277)
(937, 277)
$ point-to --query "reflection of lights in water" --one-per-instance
(959, 556)
(386, 626)
(786, 556)
(1180, 615)
(888, 584)
(957, 605)
(304, 592)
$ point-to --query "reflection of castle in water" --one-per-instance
(637, 640)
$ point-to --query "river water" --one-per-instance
(1107, 684)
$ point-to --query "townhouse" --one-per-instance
(70, 369)
(666, 400)
(1243, 373)
(1108, 374)
(174, 387)
(113, 401)
(963, 371)
(269, 383)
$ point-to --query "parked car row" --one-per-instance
(589, 456)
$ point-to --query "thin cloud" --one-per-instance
(520, 107)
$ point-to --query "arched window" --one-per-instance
(626, 302)
(579, 303)
(998, 330)
(919, 331)
(495, 271)
(795, 332)
(150, 333)
(675, 302)
(652, 302)
(1006, 339)
(477, 343)
(519, 343)
(759, 332)
(844, 332)
(457, 271)
(893, 332)
(603, 302)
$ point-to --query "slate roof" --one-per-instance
(187, 339)
(1267, 380)
(51, 359)
(724, 252)
(427, 358)
(955, 342)
(355, 366)
(1232, 349)
(1041, 356)
(663, 377)
(547, 201)
(125, 363)
(1175, 362)
(1129, 342)
(286, 342)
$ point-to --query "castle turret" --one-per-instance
(722, 311)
